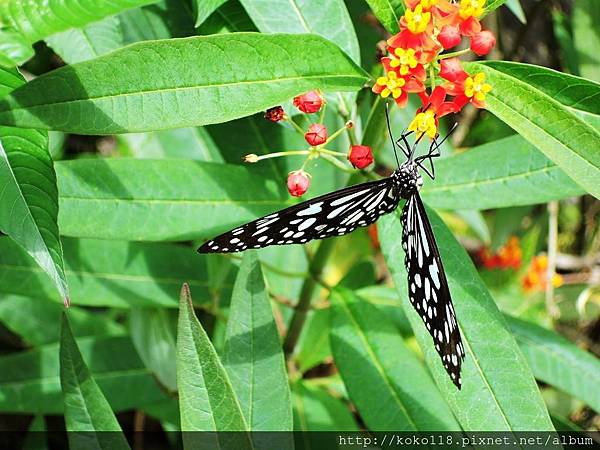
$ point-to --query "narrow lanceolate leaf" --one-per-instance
(37, 19)
(111, 273)
(86, 408)
(388, 12)
(207, 401)
(29, 317)
(495, 375)
(558, 362)
(156, 200)
(503, 173)
(586, 17)
(549, 125)
(375, 363)
(30, 380)
(329, 19)
(575, 92)
(315, 409)
(28, 193)
(493, 4)
(90, 41)
(253, 356)
(152, 332)
(180, 82)
(205, 8)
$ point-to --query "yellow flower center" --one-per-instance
(477, 87)
(417, 20)
(424, 123)
(406, 60)
(471, 8)
(393, 85)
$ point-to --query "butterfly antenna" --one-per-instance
(387, 119)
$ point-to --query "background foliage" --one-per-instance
(122, 132)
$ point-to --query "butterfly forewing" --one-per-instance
(333, 214)
(428, 288)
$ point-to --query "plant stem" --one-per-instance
(296, 126)
(286, 153)
(453, 54)
(301, 309)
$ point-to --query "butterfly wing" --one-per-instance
(332, 214)
(428, 287)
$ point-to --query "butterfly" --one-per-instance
(341, 212)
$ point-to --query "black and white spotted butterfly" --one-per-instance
(341, 212)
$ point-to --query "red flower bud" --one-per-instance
(482, 43)
(451, 70)
(449, 37)
(316, 134)
(310, 102)
(360, 156)
(275, 114)
(298, 183)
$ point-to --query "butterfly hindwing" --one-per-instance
(428, 287)
(332, 214)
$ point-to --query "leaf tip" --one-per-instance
(185, 295)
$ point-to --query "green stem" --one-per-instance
(336, 162)
(296, 126)
(301, 309)
(286, 153)
(453, 54)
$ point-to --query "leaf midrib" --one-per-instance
(559, 105)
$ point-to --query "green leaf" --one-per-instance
(111, 273)
(38, 19)
(180, 143)
(14, 49)
(30, 383)
(107, 198)
(36, 435)
(252, 356)
(493, 4)
(90, 41)
(152, 332)
(329, 19)
(29, 194)
(161, 20)
(375, 363)
(230, 17)
(317, 410)
(313, 346)
(558, 362)
(507, 172)
(86, 408)
(28, 317)
(161, 85)
(206, 398)
(495, 375)
(517, 10)
(388, 12)
(586, 19)
(205, 8)
(575, 92)
(552, 127)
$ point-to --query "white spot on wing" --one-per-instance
(313, 209)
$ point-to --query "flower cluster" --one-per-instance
(537, 275)
(415, 57)
(507, 257)
(317, 137)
